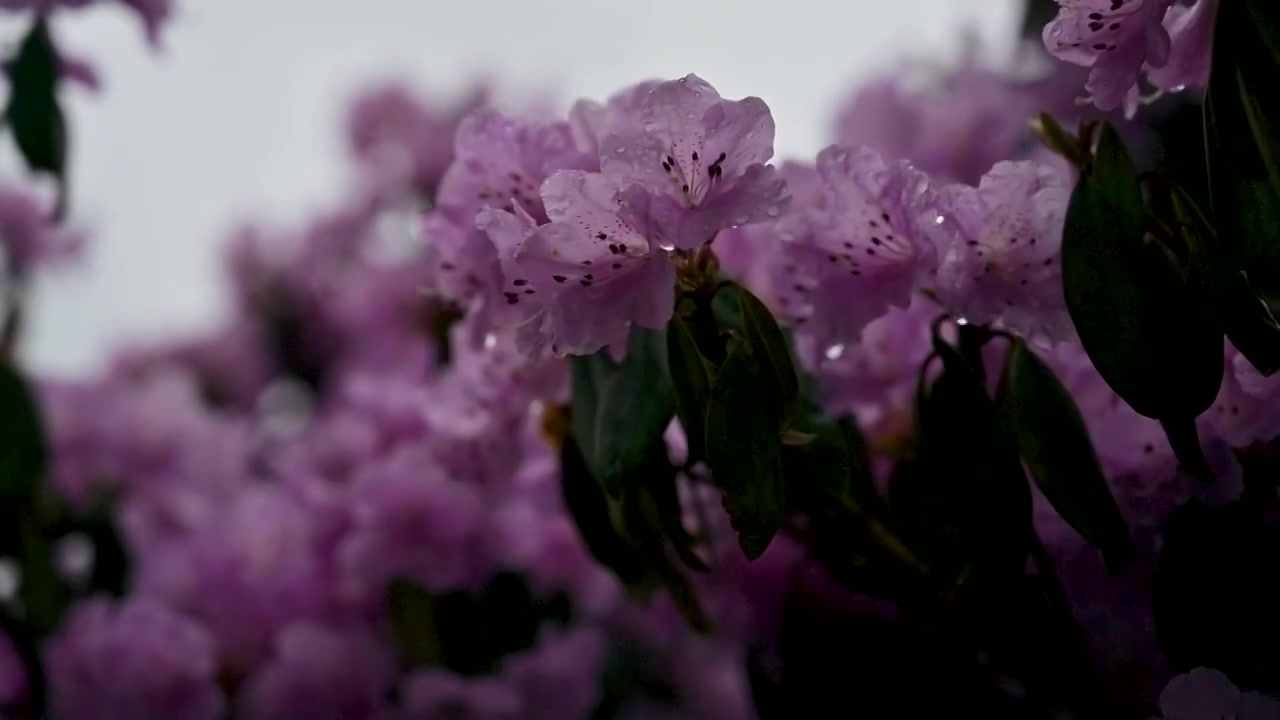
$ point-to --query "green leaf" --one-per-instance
(110, 558)
(591, 512)
(768, 341)
(634, 404)
(1242, 134)
(744, 449)
(1035, 15)
(691, 381)
(963, 500)
(1055, 445)
(646, 528)
(1132, 308)
(33, 112)
(23, 448)
(412, 611)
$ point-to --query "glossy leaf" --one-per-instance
(964, 499)
(1132, 307)
(22, 448)
(744, 448)
(1242, 132)
(412, 612)
(691, 382)
(768, 341)
(590, 509)
(1056, 448)
(634, 405)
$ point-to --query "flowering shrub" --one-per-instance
(611, 415)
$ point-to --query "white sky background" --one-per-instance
(240, 117)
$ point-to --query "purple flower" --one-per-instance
(153, 13)
(136, 660)
(319, 673)
(432, 694)
(591, 120)
(1000, 256)
(249, 571)
(560, 676)
(393, 131)
(701, 157)
(13, 676)
(1246, 409)
(955, 128)
(598, 267)
(1205, 693)
(411, 522)
(874, 378)
(500, 162)
(1115, 38)
(865, 249)
(1190, 29)
(28, 236)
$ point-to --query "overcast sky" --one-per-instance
(239, 117)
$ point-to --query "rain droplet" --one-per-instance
(939, 220)
(773, 212)
(619, 150)
(650, 126)
(961, 321)
(490, 341)
(741, 220)
(834, 352)
(667, 245)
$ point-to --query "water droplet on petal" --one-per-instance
(619, 150)
(961, 321)
(667, 245)
(834, 352)
(650, 126)
(939, 220)
(741, 220)
(773, 211)
(490, 341)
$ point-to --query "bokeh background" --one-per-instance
(241, 117)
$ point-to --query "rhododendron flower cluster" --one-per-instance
(613, 414)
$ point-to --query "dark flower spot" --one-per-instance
(588, 277)
(617, 266)
(559, 278)
(1095, 16)
(684, 188)
(871, 251)
(513, 300)
(875, 240)
(671, 161)
(1115, 4)
(848, 245)
(721, 158)
(885, 216)
(799, 288)
(972, 243)
(833, 258)
(1095, 26)
(584, 283)
(666, 167)
(1115, 26)
(1032, 241)
(530, 291)
(1048, 262)
(448, 266)
(602, 236)
(520, 282)
(1099, 46)
(695, 156)
(1013, 241)
(873, 223)
(586, 262)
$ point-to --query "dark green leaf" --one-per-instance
(744, 449)
(412, 612)
(44, 594)
(33, 113)
(1242, 132)
(1035, 15)
(768, 342)
(110, 559)
(1133, 309)
(634, 405)
(22, 450)
(1055, 445)
(832, 467)
(692, 384)
(964, 500)
(476, 633)
(593, 516)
